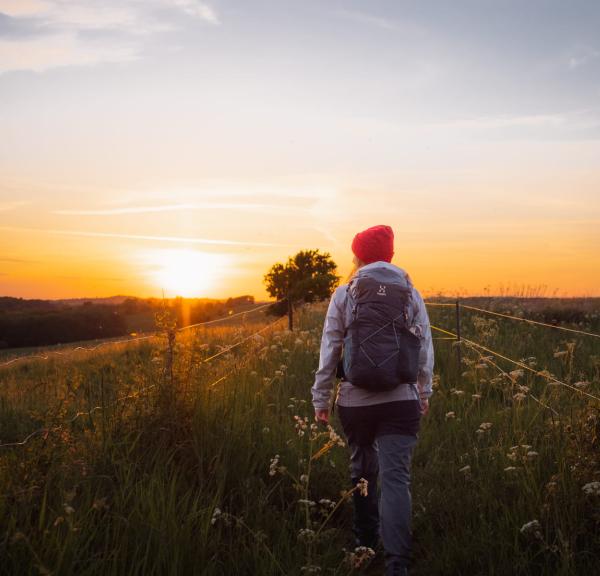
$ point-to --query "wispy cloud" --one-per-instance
(147, 237)
(370, 19)
(17, 261)
(245, 206)
(581, 56)
(13, 205)
(42, 34)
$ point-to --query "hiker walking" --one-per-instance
(377, 338)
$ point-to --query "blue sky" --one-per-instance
(474, 121)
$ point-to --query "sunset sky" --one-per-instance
(186, 146)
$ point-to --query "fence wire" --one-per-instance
(47, 354)
(541, 373)
(137, 393)
(529, 321)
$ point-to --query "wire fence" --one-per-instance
(459, 305)
(542, 373)
(136, 394)
(47, 354)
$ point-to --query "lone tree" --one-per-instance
(309, 276)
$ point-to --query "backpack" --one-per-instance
(380, 352)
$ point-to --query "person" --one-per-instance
(381, 426)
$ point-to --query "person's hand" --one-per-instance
(424, 406)
(322, 416)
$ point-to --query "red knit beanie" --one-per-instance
(374, 244)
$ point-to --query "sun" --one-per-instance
(187, 273)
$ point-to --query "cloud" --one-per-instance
(180, 208)
(18, 261)
(197, 9)
(370, 19)
(581, 56)
(174, 239)
(12, 205)
(39, 35)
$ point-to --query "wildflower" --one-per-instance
(310, 569)
(253, 373)
(516, 374)
(305, 502)
(360, 557)
(278, 373)
(334, 437)
(274, 465)
(306, 534)
(532, 529)
(582, 384)
(301, 425)
(266, 380)
(216, 515)
(304, 479)
(266, 430)
(100, 503)
(456, 392)
(363, 487)
(519, 396)
(476, 396)
(592, 489)
(560, 353)
(283, 367)
(326, 503)
(481, 365)
(298, 342)
(485, 426)
(68, 509)
(465, 469)
(531, 454)
(510, 469)
(450, 415)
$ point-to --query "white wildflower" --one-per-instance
(532, 529)
(363, 487)
(592, 488)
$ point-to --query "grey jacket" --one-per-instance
(337, 319)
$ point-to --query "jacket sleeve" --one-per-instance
(331, 351)
(422, 329)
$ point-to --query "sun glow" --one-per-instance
(187, 273)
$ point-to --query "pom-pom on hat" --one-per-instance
(374, 244)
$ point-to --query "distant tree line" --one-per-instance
(25, 323)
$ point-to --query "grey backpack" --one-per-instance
(380, 352)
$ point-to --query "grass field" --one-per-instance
(148, 459)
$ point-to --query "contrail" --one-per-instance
(175, 208)
(177, 239)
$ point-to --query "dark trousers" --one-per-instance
(382, 438)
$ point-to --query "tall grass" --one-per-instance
(154, 462)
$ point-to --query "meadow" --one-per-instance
(181, 455)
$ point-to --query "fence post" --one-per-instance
(290, 311)
(458, 344)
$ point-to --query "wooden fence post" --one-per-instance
(290, 310)
(458, 342)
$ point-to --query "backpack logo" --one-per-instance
(381, 291)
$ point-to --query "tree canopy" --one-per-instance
(309, 276)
